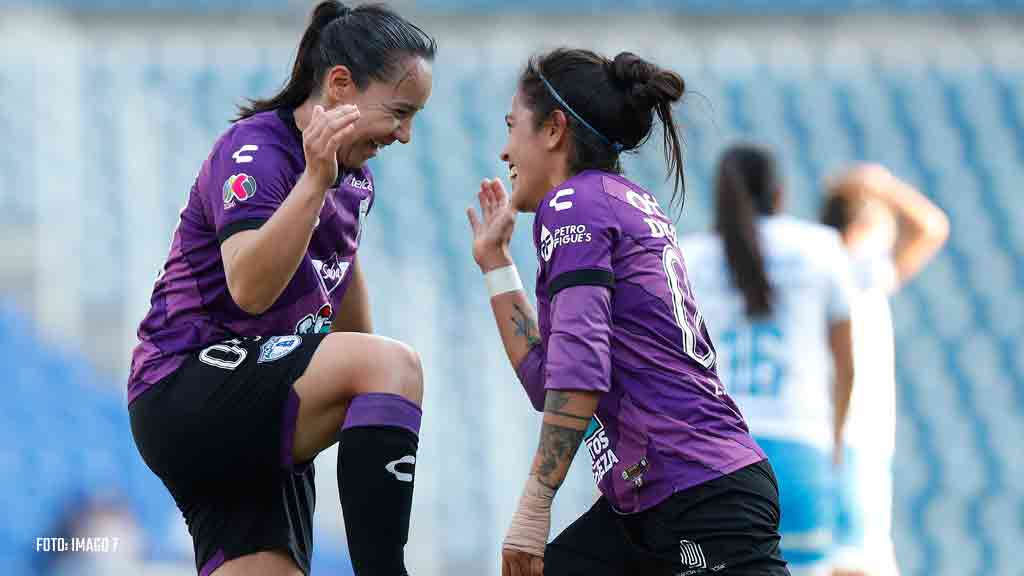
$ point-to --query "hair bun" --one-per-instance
(327, 12)
(647, 84)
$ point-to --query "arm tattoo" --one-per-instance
(525, 326)
(558, 445)
(555, 400)
(567, 415)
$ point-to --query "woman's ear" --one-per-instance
(338, 85)
(556, 128)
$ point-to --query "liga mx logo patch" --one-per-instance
(238, 187)
(278, 347)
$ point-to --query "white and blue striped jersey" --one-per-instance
(778, 368)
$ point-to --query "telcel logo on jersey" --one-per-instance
(602, 458)
(363, 184)
(238, 187)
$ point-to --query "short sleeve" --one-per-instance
(576, 234)
(841, 286)
(579, 348)
(250, 177)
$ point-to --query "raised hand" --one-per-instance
(492, 233)
(326, 131)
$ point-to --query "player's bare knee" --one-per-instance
(409, 373)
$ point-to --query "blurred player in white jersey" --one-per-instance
(891, 231)
(776, 292)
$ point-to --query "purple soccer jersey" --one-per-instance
(250, 172)
(617, 315)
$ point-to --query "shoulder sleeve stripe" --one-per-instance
(239, 226)
(583, 277)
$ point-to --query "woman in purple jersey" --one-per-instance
(236, 384)
(617, 355)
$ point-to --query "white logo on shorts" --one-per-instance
(401, 476)
(278, 347)
(692, 556)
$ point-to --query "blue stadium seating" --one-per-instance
(67, 441)
(716, 7)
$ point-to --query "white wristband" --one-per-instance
(502, 280)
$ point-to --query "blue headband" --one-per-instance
(614, 145)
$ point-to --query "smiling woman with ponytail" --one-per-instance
(256, 354)
(617, 355)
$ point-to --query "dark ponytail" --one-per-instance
(616, 100)
(746, 186)
(371, 40)
(652, 88)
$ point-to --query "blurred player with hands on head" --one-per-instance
(776, 293)
(237, 384)
(891, 231)
(618, 356)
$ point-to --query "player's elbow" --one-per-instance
(247, 297)
(937, 228)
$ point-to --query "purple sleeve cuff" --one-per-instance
(531, 375)
(579, 348)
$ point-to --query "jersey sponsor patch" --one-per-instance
(331, 272)
(562, 236)
(360, 183)
(547, 243)
(277, 347)
(238, 188)
(318, 323)
(602, 457)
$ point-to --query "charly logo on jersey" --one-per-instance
(240, 155)
(562, 236)
(316, 323)
(331, 272)
(238, 187)
(558, 204)
(277, 347)
(360, 183)
(602, 457)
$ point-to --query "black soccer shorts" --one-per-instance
(218, 432)
(728, 526)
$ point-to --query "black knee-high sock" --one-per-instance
(376, 468)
